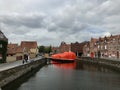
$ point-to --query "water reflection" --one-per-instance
(80, 66)
(92, 68)
(71, 76)
(64, 65)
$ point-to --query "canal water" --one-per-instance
(71, 76)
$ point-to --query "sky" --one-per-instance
(49, 22)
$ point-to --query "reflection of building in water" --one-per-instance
(92, 67)
(3, 47)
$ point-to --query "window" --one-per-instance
(98, 46)
(105, 47)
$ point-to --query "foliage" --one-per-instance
(43, 49)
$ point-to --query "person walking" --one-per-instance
(28, 57)
(25, 58)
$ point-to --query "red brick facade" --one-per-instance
(64, 47)
(25, 46)
(77, 48)
(74, 47)
(107, 46)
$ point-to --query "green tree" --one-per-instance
(41, 49)
(49, 49)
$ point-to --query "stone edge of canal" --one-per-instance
(113, 65)
(8, 77)
(13, 75)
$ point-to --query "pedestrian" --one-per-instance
(28, 57)
(23, 61)
(25, 58)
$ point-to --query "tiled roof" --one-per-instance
(19, 49)
(29, 44)
(12, 48)
(10, 51)
(12, 45)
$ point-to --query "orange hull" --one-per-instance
(66, 56)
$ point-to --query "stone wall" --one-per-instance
(12, 74)
(112, 64)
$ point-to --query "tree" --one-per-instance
(41, 49)
(49, 49)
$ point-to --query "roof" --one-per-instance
(19, 49)
(12, 45)
(94, 40)
(109, 37)
(3, 37)
(12, 48)
(29, 44)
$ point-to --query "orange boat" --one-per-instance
(64, 57)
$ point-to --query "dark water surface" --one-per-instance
(72, 76)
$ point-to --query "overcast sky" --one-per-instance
(51, 21)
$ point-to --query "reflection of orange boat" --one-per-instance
(65, 65)
(64, 57)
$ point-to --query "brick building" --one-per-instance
(55, 50)
(30, 47)
(11, 49)
(64, 47)
(107, 46)
(94, 46)
(110, 46)
(16, 52)
(78, 48)
(86, 49)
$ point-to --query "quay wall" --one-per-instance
(112, 64)
(9, 75)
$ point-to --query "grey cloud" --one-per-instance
(68, 20)
(31, 21)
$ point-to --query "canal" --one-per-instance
(71, 76)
